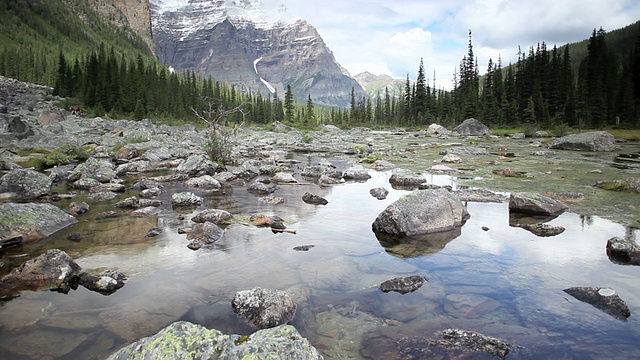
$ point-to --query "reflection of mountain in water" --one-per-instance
(419, 245)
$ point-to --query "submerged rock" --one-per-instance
(623, 251)
(265, 308)
(422, 212)
(455, 339)
(536, 204)
(403, 285)
(588, 141)
(604, 299)
(51, 270)
(184, 340)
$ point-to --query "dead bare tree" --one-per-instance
(219, 138)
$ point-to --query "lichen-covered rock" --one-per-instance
(535, 204)
(261, 188)
(588, 141)
(623, 251)
(105, 283)
(184, 340)
(25, 184)
(422, 212)
(272, 221)
(185, 199)
(216, 216)
(94, 168)
(284, 178)
(356, 175)
(265, 308)
(206, 233)
(472, 127)
(207, 182)
(77, 208)
(629, 185)
(604, 299)
(32, 221)
(403, 285)
(455, 339)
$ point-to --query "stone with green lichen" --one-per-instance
(25, 184)
(184, 340)
(628, 185)
(32, 221)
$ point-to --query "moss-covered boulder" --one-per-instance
(628, 185)
(184, 340)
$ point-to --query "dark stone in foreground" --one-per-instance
(263, 307)
(403, 285)
(106, 283)
(51, 270)
(623, 251)
(184, 340)
(310, 198)
(604, 299)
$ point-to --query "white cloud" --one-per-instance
(392, 36)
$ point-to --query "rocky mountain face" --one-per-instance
(134, 14)
(247, 43)
(374, 84)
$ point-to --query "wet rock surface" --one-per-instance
(403, 285)
(543, 230)
(265, 308)
(313, 199)
(623, 251)
(604, 299)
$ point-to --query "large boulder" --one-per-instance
(588, 141)
(265, 308)
(32, 221)
(51, 270)
(535, 204)
(198, 165)
(422, 212)
(184, 340)
(94, 168)
(216, 216)
(406, 180)
(472, 127)
(25, 184)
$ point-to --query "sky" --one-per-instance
(391, 36)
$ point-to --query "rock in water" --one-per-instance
(310, 198)
(403, 285)
(51, 270)
(623, 251)
(32, 221)
(263, 307)
(25, 184)
(604, 299)
(422, 212)
(184, 340)
(535, 204)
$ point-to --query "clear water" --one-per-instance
(505, 282)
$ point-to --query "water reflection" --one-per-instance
(504, 282)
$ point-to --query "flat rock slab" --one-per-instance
(32, 221)
(588, 141)
(403, 285)
(535, 204)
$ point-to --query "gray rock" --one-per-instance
(198, 165)
(379, 193)
(604, 299)
(535, 204)
(265, 308)
(25, 184)
(133, 167)
(128, 203)
(215, 216)
(472, 127)
(406, 180)
(451, 158)
(185, 199)
(480, 195)
(455, 339)
(284, 178)
(313, 199)
(403, 285)
(422, 212)
(85, 183)
(356, 175)
(248, 170)
(382, 165)
(32, 221)
(588, 141)
(51, 270)
(105, 283)
(542, 230)
(623, 251)
(272, 221)
(540, 134)
(184, 340)
(94, 168)
(77, 208)
(518, 136)
(206, 233)
(146, 211)
(631, 185)
(204, 182)
(258, 187)
(225, 176)
(435, 129)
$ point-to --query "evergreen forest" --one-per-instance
(110, 72)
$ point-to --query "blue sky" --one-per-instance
(390, 37)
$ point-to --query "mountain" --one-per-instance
(374, 84)
(252, 44)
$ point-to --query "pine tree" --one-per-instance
(421, 97)
(289, 106)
